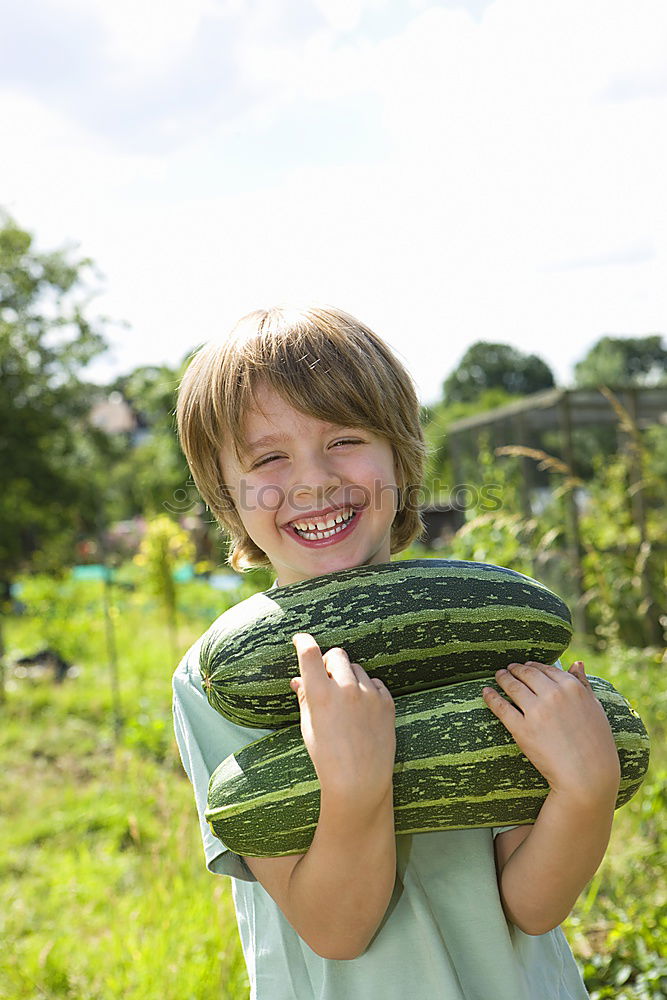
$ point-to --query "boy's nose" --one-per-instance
(315, 477)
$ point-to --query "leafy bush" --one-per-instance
(504, 536)
(64, 612)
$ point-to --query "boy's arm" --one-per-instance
(563, 730)
(336, 894)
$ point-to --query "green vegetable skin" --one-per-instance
(416, 624)
(456, 767)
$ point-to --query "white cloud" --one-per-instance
(58, 173)
(144, 38)
(342, 15)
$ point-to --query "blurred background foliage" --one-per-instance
(109, 558)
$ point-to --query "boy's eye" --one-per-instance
(271, 458)
(348, 441)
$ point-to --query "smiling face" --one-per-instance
(290, 489)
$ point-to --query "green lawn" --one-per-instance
(104, 890)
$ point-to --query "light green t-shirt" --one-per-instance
(444, 934)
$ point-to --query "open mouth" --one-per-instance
(331, 526)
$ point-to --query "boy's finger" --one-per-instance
(557, 674)
(381, 688)
(522, 696)
(311, 664)
(578, 671)
(510, 716)
(530, 674)
(338, 666)
(363, 680)
(296, 685)
(549, 670)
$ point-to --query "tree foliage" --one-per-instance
(487, 366)
(150, 473)
(46, 340)
(616, 361)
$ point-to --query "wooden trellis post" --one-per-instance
(573, 533)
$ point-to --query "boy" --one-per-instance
(302, 434)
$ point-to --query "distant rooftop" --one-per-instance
(113, 415)
(543, 410)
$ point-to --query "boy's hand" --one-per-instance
(561, 727)
(348, 725)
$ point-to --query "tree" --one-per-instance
(46, 446)
(496, 366)
(616, 361)
(152, 471)
(151, 391)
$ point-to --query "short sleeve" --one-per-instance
(204, 739)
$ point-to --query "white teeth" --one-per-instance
(327, 525)
(333, 526)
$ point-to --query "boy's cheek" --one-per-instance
(269, 499)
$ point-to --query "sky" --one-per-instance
(446, 171)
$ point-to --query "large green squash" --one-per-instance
(416, 624)
(456, 767)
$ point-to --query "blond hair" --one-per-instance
(322, 362)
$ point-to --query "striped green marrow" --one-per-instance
(456, 767)
(415, 624)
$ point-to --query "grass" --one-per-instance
(105, 893)
(104, 888)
